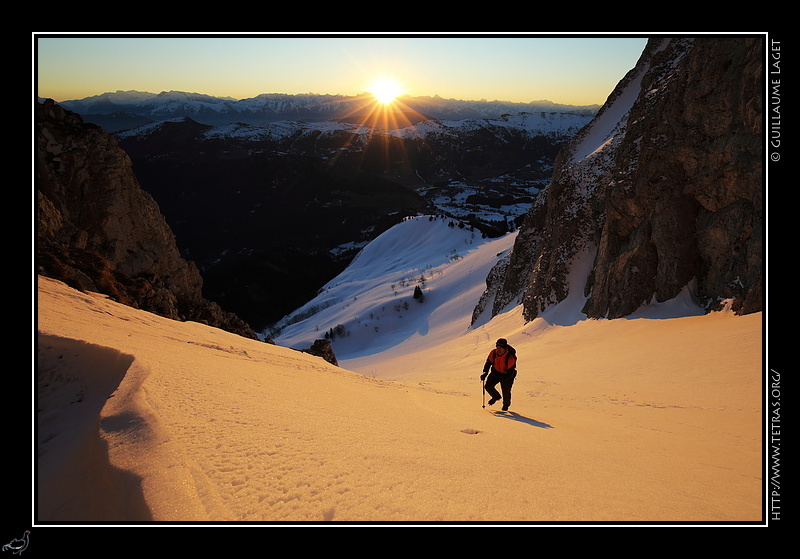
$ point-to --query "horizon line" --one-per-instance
(355, 96)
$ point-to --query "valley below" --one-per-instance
(271, 212)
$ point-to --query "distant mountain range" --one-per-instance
(121, 110)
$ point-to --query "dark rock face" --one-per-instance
(322, 348)
(664, 190)
(262, 224)
(97, 230)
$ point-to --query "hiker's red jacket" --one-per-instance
(501, 363)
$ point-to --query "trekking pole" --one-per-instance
(483, 393)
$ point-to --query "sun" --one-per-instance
(385, 90)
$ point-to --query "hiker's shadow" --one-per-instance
(522, 419)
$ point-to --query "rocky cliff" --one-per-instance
(97, 230)
(661, 193)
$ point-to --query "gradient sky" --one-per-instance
(570, 70)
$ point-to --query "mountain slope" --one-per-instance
(611, 424)
(370, 307)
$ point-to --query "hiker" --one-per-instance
(502, 361)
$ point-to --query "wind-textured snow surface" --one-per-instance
(142, 418)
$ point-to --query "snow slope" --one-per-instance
(373, 299)
(641, 419)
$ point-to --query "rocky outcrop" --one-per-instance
(97, 230)
(322, 348)
(662, 191)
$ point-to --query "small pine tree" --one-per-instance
(418, 294)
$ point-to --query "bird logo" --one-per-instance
(18, 545)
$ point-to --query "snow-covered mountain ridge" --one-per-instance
(557, 125)
(415, 287)
(277, 106)
(371, 306)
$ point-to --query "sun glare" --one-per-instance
(385, 90)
